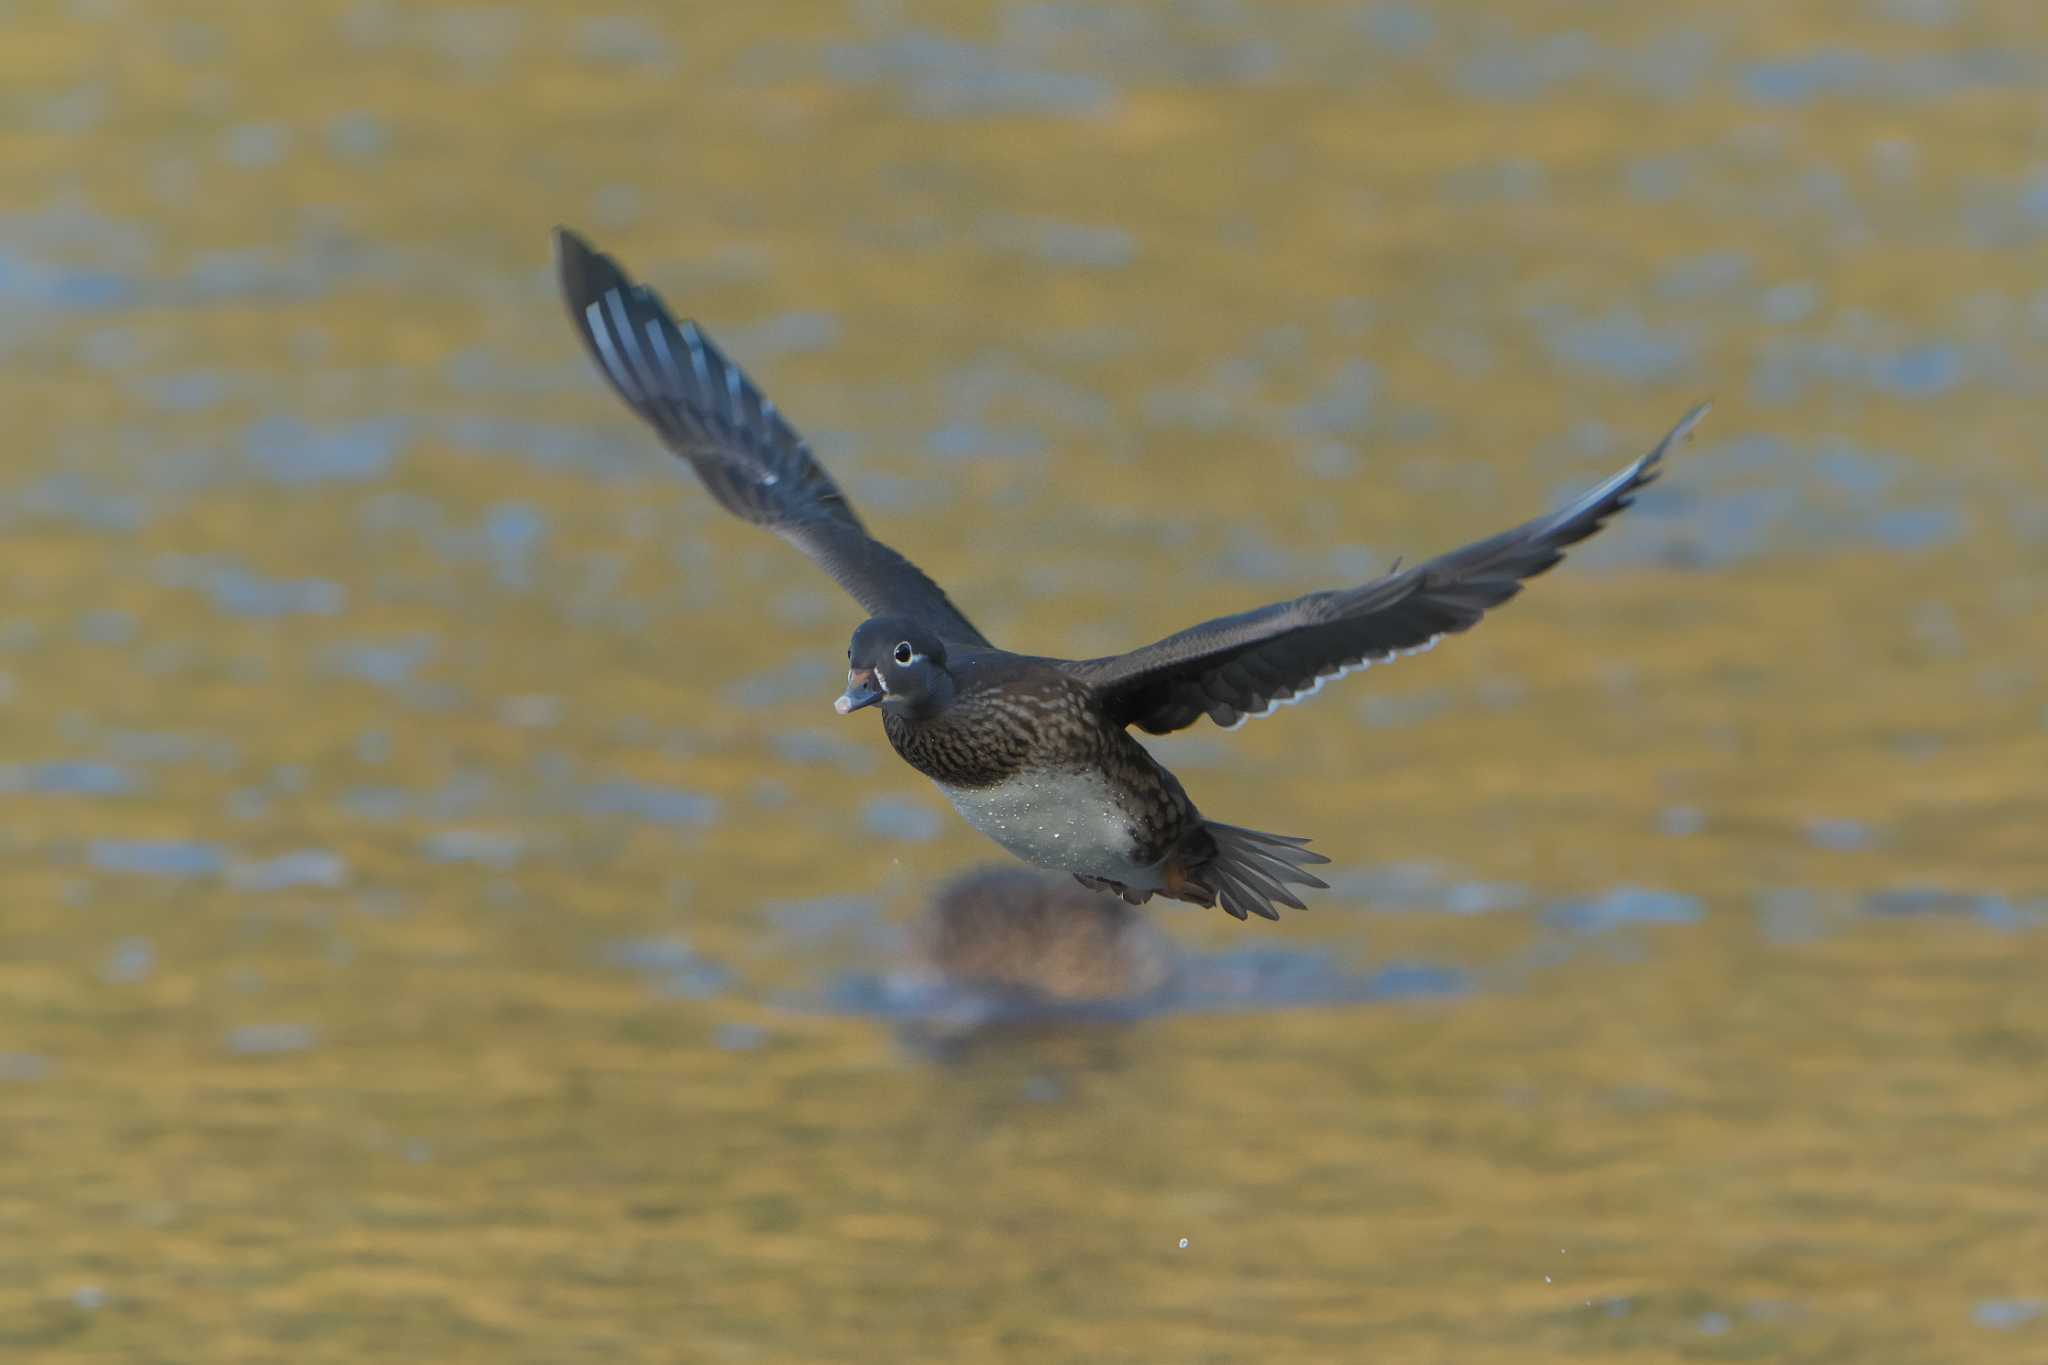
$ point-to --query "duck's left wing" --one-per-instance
(750, 458)
(1240, 666)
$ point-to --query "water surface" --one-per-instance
(429, 843)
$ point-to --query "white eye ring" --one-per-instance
(904, 653)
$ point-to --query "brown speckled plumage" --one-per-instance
(1036, 752)
(1011, 715)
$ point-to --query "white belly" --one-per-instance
(1069, 822)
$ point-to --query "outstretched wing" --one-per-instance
(707, 411)
(1240, 666)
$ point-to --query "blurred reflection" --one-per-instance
(1009, 951)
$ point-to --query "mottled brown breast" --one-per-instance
(1003, 720)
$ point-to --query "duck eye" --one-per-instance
(904, 653)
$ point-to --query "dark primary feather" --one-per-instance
(1245, 665)
(757, 466)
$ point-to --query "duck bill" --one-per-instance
(861, 691)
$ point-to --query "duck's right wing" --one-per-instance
(707, 411)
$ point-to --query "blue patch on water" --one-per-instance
(891, 818)
(1922, 13)
(388, 512)
(855, 920)
(534, 711)
(1841, 836)
(1659, 179)
(1097, 246)
(1625, 905)
(1527, 69)
(806, 679)
(107, 627)
(1712, 274)
(239, 591)
(1486, 182)
(1249, 554)
(1402, 30)
(671, 966)
(2033, 200)
(1288, 978)
(1925, 370)
(1397, 710)
(1988, 907)
(783, 334)
(739, 1038)
(1343, 404)
(551, 446)
(514, 532)
(1424, 888)
(1785, 304)
(1859, 473)
(623, 40)
(73, 112)
(1619, 345)
(1787, 915)
(288, 451)
(1801, 80)
(112, 348)
(822, 747)
(486, 848)
(656, 805)
(70, 778)
(248, 803)
(1916, 528)
(269, 272)
(973, 440)
(130, 961)
(1245, 980)
(377, 803)
(157, 858)
(1681, 821)
(358, 135)
(1328, 460)
(271, 1040)
(254, 146)
(948, 78)
(458, 798)
(315, 867)
(476, 40)
(1670, 65)
(190, 391)
(2003, 1315)
(1810, 500)
(70, 497)
(385, 665)
(27, 284)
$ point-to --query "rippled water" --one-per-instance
(445, 915)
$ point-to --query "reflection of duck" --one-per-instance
(1012, 932)
(1011, 951)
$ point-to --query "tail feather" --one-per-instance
(1252, 869)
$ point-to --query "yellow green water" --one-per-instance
(431, 856)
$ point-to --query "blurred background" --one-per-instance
(441, 906)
